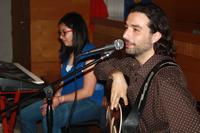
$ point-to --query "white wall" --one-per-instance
(115, 9)
(5, 31)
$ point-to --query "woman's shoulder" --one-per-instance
(88, 46)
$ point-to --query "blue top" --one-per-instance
(75, 83)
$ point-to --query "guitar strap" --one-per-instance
(131, 122)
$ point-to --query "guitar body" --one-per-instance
(115, 118)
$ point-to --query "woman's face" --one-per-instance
(65, 34)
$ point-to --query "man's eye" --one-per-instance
(134, 29)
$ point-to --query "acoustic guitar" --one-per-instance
(114, 119)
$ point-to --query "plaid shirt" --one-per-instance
(169, 107)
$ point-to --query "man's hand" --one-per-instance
(118, 90)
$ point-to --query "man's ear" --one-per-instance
(156, 36)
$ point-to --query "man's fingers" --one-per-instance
(125, 100)
(114, 103)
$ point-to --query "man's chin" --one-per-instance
(130, 51)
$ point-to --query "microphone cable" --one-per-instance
(67, 127)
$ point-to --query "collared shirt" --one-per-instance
(169, 107)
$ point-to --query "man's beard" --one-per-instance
(134, 51)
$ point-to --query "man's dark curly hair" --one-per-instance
(158, 22)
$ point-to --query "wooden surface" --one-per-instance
(181, 10)
(106, 31)
(44, 38)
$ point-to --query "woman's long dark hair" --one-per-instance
(158, 22)
(75, 22)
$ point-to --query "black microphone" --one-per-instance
(117, 45)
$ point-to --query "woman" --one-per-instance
(83, 87)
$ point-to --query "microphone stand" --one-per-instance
(49, 111)
(48, 89)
